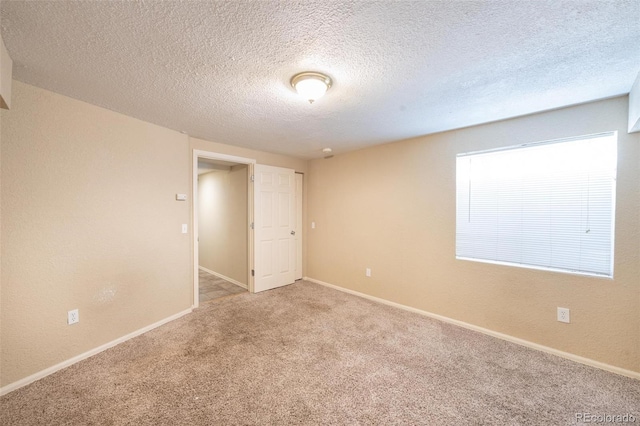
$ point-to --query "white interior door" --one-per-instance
(298, 226)
(274, 223)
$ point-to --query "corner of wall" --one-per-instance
(634, 106)
(6, 75)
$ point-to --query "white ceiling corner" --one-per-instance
(220, 70)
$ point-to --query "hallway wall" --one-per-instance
(223, 222)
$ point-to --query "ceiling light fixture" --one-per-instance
(327, 153)
(311, 85)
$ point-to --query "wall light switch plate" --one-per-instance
(184, 228)
(367, 272)
(313, 225)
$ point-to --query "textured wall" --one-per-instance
(89, 221)
(6, 71)
(392, 208)
(223, 222)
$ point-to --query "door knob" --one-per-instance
(293, 232)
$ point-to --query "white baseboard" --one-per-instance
(231, 280)
(522, 342)
(40, 374)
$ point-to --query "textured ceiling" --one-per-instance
(220, 70)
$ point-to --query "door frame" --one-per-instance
(250, 162)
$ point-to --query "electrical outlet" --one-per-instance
(563, 315)
(367, 272)
(73, 317)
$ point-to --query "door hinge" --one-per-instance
(253, 273)
(253, 178)
(252, 226)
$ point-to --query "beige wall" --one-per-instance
(392, 208)
(223, 222)
(6, 71)
(89, 221)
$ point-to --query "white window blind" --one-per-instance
(549, 205)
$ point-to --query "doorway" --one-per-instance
(222, 212)
(222, 228)
(251, 257)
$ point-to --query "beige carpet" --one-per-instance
(305, 354)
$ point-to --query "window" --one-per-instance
(549, 205)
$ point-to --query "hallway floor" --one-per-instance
(212, 287)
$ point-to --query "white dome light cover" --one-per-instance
(311, 85)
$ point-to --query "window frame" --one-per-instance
(610, 275)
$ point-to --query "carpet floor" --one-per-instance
(305, 354)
